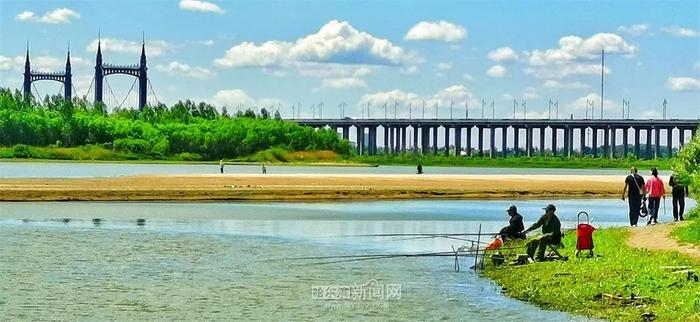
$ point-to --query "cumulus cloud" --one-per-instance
(343, 83)
(468, 77)
(238, 97)
(555, 84)
(579, 105)
(496, 71)
(201, 6)
(336, 42)
(154, 48)
(444, 97)
(530, 93)
(574, 48)
(44, 63)
(683, 84)
(634, 30)
(504, 54)
(677, 31)
(178, 69)
(56, 16)
(439, 31)
(562, 71)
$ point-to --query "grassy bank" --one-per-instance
(578, 285)
(690, 233)
(513, 162)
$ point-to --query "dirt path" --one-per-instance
(658, 237)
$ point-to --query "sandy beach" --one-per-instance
(309, 187)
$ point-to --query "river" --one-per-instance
(225, 261)
(81, 169)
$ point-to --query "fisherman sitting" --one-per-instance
(551, 230)
(515, 226)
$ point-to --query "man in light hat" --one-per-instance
(551, 233)
(515, 226)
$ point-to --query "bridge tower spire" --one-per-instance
(142, 75)
(27, 85)
(99, 70)
(68, 83)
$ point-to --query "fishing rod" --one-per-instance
(424, 234)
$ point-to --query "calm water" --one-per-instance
(67, 169)
(223, 261)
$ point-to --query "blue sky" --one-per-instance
(285, 53)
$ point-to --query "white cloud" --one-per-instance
(579, 105)
(683, 84)
(43, 63)
(677, 31)
(154, 48)
(455, 93)
(410, 70)
(248, 54)
(343, 83)
(444, 66)
(651, 115)
(504, 54)
(178, 69)
(201, 6)
(439, 30)
(237, 97)
(56, 16)
(318, 70)
(336, 42)
(574, 48)
(634, 30)
(554, 84)
(496, 71)
(565, 70)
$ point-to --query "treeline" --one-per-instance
(156, 132)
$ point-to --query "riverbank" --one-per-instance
(308, 187)
(629, 262)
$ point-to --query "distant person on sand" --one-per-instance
(515, 225)
(656, 190)
(551, 233)
(264, 169)
(679, 192)
(419, 169)
(221, 166)
(634, 188)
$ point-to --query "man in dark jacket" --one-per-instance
(680, 191)
(551, 230)
(515, 226)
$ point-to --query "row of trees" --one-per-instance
(157, 131)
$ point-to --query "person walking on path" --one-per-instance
(635, 191)
(264, 169)
(656, 189)
(221, 166)
(679, 192)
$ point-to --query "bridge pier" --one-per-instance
(480, 131)
(582, 134)
(458, 141)
(504, 141)
(669, 142)
(492, 142)
(625, 141)
(403, 139)
(613, 139)
(606, 142)
(447, 141)
(568, 132)
(543, 130)
(594, 142)
(681, 138)
(415, 138)
(657, 141)
(648, 151)
(516, 141)
(425, 139)
(469, 140)
(555, 133)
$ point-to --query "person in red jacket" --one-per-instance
(655, 188)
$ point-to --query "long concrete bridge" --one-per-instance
(559, 137)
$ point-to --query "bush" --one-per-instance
(22, 151)
(137, 146)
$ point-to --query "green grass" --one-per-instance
(513, 162)
(690, 233)
(575, 286)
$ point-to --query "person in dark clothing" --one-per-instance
(515, 226)
(551, 233)
(635, 191)
(679, 192)
(419, 169)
